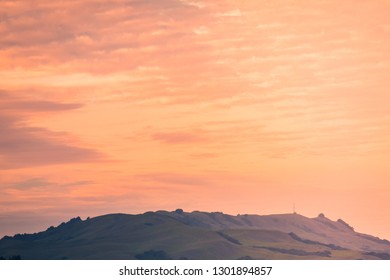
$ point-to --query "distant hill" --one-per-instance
(196, 235)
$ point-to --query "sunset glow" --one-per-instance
(234, 106)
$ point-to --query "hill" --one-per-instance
(196, 235)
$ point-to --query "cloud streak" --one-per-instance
(178, 137)
(22, 145)
(37, 106)
(43, 184)
(28, 146)
(174, 179)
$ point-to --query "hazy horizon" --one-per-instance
(231, 106)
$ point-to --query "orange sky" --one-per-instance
(233, 106)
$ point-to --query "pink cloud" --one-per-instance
(25, 146)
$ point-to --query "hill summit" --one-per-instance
(197, 235)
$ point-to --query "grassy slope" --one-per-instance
(120, 236)
(320, 229)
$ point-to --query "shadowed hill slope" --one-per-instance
(319, 229)
(196, 235)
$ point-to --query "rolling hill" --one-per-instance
(196, 235)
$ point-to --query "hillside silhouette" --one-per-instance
(196, 235)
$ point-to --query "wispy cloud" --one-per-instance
(175, 179)
(178, 137)
(37, 106)
(28, 146)
(43, 184)
(22, 145)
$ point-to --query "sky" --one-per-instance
(128, 106)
